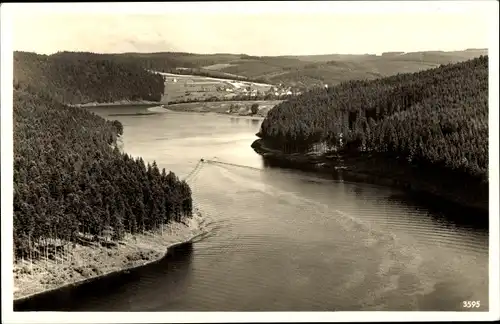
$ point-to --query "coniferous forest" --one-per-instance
(71, 183)
(438, 117)
(79, 78)
(435, 120)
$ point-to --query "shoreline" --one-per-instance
(84, 281)
(117, 103)
(217, 107)
(222, 107)
(91, 263)
(373, 169)
(214, 113)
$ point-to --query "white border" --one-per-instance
(252, 7)
(8, 316)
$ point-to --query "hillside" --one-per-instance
(334, 69)
(435, 57)
(315, 70)
(85, 77)
(435, 121)
(73, 187)
(300, 72)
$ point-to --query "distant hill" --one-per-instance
(438, 57)
(303, 71)
(299, 72)
(315, 70)
(331, 57)
(85, 77)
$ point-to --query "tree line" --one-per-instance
(72, 185)
(176, 63)
(435, 118)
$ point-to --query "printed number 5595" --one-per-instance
(471, 304)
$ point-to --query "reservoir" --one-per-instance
(284, 240)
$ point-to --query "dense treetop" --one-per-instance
(85, 77)
(436, 117)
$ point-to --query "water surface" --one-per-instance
(281, 240)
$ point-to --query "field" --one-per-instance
(218, 66)
(199, 88)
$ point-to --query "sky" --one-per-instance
(254, 28)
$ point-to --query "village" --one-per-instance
(189, 88)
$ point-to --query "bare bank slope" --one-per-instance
(434, 123)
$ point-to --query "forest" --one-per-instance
(85, 77)
(176, 63)
(436, 118)
(72, 185)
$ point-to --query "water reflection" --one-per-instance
(255, 122)
(442, 211)
(358, 191)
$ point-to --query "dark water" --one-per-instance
(280, 240)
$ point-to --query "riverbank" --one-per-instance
(119, 103)
(375, 169)
(232, 108)
(86, 262)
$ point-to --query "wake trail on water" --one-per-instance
(204, 224)
(347, 220)
(395, 257)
